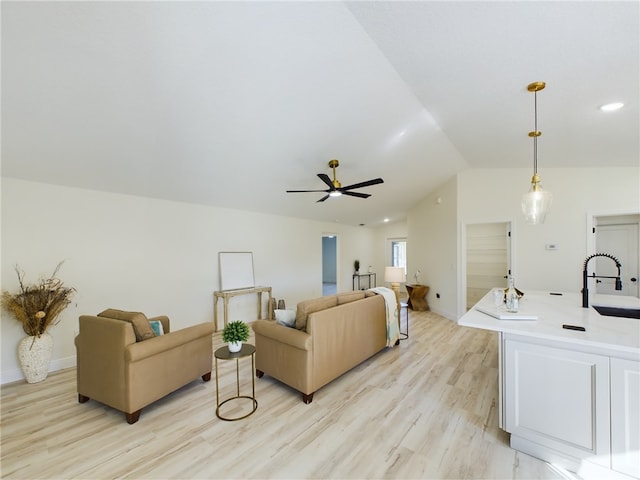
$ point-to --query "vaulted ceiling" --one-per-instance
(233, 103)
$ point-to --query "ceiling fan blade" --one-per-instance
(323, 199)
(325, 178)
(362, 184)
(357, 194)
(305, 191)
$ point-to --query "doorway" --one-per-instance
(488, 262)
(618, 236)
(329, 264)
(397, 253)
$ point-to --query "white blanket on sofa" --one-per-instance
(393, 325)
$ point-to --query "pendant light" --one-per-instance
(535, 203)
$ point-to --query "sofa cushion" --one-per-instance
(285, 317)
(310, 306)
(138, 320)
(347, 297)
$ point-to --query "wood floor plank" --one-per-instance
(424, 409)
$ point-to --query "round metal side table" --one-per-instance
(404, 306)
(223, 353)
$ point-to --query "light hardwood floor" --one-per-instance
(425, 409)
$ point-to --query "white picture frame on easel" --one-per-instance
(236, 270)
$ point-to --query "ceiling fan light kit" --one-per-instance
(335, 187)
(537, 202)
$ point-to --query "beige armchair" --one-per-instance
(115, 369)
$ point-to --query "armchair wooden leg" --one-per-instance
(133, 417)
(259, 373)
(307, 398)
(82, 398)
(206, 377)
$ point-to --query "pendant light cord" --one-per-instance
(535, 132)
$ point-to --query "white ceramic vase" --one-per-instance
(235, 347)
(34, 355)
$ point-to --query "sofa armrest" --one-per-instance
(100, 347)
(153, 346)
(287, 335)
(108, 335)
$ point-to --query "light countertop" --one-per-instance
(552, 311)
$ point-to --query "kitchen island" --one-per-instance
(568, 396)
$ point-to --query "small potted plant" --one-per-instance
(356, 266)
(235, 333)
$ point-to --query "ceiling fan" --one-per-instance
(335, 187)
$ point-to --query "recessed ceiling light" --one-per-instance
(612, 107)
(385, 220)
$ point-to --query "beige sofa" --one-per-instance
(123, 366)
(332, 335)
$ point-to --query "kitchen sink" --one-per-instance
(618, 311)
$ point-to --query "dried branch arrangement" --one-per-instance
(38, 305)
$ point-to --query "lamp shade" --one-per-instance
(394, 274)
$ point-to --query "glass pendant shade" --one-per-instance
(536, 203)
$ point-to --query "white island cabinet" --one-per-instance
(557, 398)
(625, 416)
(569, 397)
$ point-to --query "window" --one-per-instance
(399, 253)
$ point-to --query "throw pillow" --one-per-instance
(285, 317)
(138, 320)
(156, 326)
(311, 306)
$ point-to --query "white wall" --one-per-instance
(154, 256)
(578, 194)
(432, 247)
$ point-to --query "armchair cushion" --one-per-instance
(141, 326)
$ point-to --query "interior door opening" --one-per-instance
(329, 264)
(617, 235)
(396, 256)
(488, 259)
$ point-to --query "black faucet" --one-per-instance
(585, 290)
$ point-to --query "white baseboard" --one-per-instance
(444, 314)
(14, 375)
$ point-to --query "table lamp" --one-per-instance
(394, 275)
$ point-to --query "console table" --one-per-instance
(359, 276)
(417, 297)
(227, 294)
